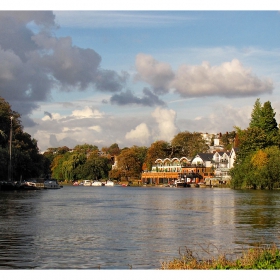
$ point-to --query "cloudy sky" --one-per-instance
(136, 76)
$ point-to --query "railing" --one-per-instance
(174, 168)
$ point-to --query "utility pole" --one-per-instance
(10, 150)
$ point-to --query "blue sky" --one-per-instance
(133, 77)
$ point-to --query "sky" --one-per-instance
(134, 76)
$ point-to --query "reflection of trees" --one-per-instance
(258, 210)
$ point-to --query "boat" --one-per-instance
(87, 183)
(109, 183)
(51, 184)
(33, 184)
(96, 183)
(182, 184)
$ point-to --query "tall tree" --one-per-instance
(256, 114)
(26, 159)
(269, 123)
(263, 117)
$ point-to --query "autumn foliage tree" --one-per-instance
(130, 161)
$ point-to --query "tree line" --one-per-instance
(257, 163)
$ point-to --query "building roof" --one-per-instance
(205, 156)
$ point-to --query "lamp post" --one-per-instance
(10, 151)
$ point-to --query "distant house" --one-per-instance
(221, 159)
(203, 159)
(232, 156)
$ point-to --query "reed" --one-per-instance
(260, 257)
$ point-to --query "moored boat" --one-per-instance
(87, 183)
(33, 184)
(109, 183)
(96, 184)
(182, 184)
(51, 184)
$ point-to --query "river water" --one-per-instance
(131, 227)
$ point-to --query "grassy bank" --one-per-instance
(267, 257)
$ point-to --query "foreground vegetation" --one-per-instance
(257, 258)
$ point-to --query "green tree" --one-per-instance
(257, 163)
(263, 117)
(96, 167)
(26, 159)
(259, 170)
(256, 115)
(250, 140)
(190, 144)
(57, 169)
(158, 149)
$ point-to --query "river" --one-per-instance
(131, 227)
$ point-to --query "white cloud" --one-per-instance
(229, 79)
(87, 112)
(96, 128)
(165, 119)
(140, 134)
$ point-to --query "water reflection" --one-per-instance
(257, 217)
(16, 210)
(120, 228)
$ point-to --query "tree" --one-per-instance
(259, 170)
(227, 139)
(256, 114)
(190, 144)
(263, 117)
(113, 150)
(157, 150)
(250, 140)
(257, 163)
(96, 167)
(130, 161)
(26, 159)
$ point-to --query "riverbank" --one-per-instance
(256, 258)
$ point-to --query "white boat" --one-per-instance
(96, 184)
(109, 183)
(51, 184)
(87, 183)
